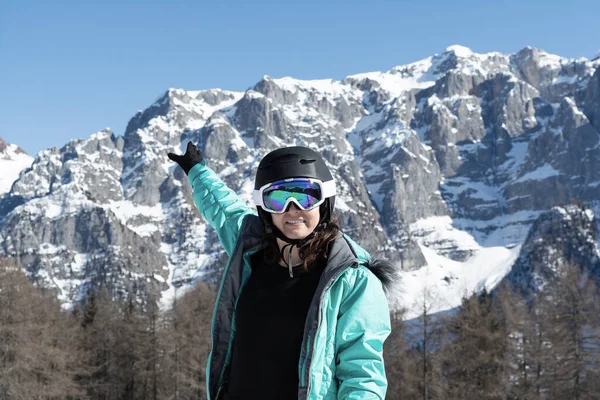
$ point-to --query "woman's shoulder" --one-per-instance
(357, 273)
(366, 268)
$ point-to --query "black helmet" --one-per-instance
(293, 162)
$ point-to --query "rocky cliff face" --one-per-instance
(563, 237)
(454, 154)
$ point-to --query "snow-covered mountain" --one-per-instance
(443, 166)
(563, 237)
(13, 160)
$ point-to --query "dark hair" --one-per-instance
(314, 250)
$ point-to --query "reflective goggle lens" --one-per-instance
(306, 193)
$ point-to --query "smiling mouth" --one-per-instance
(294, 222)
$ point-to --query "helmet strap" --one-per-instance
(288, 262)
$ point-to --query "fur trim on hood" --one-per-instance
(389, 276)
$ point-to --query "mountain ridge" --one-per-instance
(442, 159)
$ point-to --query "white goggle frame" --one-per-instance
(327, 190)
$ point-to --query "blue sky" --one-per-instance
(71, 68)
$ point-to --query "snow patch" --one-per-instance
(565, 79)
(589, 214)
(12, 162)
(460, 51)
(328, 87)
(539, 174)
(440, 232)
(445, 282)
(550, 61)
(401, 79)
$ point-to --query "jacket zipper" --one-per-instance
(303, 367)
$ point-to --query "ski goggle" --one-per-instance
(306, 193)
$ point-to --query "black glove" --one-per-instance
(191, 157)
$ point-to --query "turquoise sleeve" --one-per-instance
(219, 206)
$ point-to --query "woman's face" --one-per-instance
(296, 223)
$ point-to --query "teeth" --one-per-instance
(295, 222)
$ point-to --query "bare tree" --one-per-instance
(526, 350)
(571, 307)
(186, 338)
(101, 320)
(401, 373)
(38, 358)
(474, 359)
(425, 334)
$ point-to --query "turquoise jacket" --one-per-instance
(348, 319)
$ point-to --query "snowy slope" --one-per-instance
(13, 160)
(443, 282)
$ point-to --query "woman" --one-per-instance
(301, 312)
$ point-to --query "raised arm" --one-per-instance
(219, 205)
